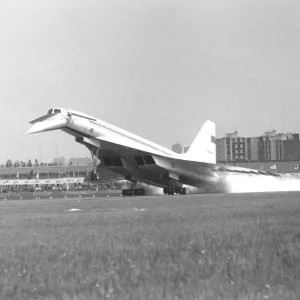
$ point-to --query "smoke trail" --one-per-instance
(237, 183)
(150, 190)
(249, 183)
(194, 190)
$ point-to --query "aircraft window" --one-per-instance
(57, 110)
(149, 160)
(139, 160)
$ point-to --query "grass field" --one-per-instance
(244, 246)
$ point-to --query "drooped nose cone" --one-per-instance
(52, 123)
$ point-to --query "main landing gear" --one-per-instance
(176, 190)
(133, 192)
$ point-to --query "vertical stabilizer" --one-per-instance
(203, 148)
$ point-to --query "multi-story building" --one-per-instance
(178, 148)
(186, 148)
(221, 149)
(291, 150)
(254, 147)
(235, 148)
(271, 146)
(281, 146)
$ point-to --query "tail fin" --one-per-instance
(203, 148)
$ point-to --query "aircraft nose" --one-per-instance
(52, 123)
(33, 129)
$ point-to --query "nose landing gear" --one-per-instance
(95, 176)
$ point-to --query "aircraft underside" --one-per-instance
(147, 169)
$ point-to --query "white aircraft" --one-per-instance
(136, 159)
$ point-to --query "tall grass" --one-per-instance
(199, 247)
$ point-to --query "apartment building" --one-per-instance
(271, 146)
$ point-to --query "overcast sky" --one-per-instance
(156, 68)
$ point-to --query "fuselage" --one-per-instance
(135, 158)
(110, 142)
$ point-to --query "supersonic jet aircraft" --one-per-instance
(136, 159)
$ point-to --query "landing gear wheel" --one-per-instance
(139, 192)
(133, 192)
(172, 191)
(178, 190)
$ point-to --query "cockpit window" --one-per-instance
(54, 111)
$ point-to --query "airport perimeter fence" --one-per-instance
(58, 194)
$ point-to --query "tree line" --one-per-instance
(9, 164)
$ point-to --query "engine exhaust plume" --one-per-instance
(249, 183)
(150, 190)
(194, 190)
